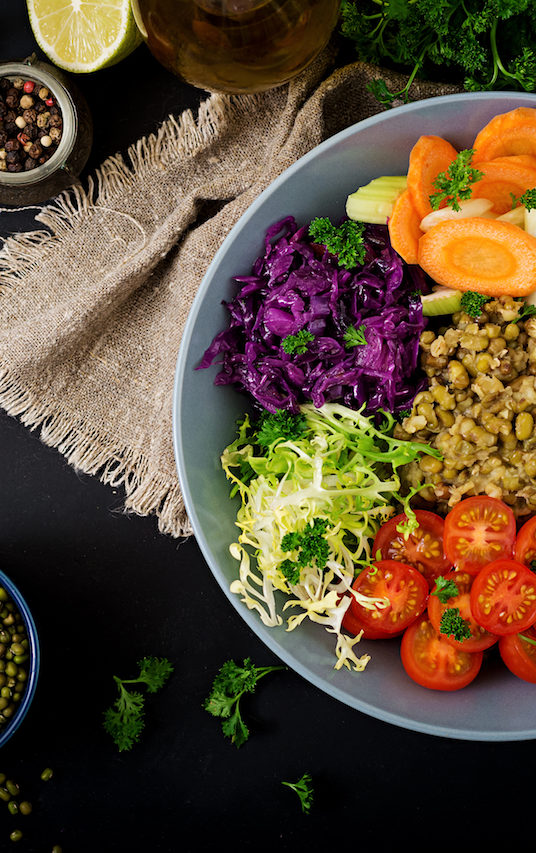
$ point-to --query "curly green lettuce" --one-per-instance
(329, 489)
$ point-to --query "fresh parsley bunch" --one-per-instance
(486, 44)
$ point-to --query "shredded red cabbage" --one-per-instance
(295, 286)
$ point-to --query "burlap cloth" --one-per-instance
(92, 307)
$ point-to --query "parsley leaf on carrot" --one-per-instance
(455, 184)
(230, 684)
(344, 240)
(528, 199)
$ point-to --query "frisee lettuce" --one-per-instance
(342, 468)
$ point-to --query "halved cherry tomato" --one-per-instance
(519, 654)
(351, 623)
(525, 545)
(404, 587)
(478, 530)
(423, 549)
(432, 662)
(480, 639)
(503, 597)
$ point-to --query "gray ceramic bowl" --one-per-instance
(497, 706)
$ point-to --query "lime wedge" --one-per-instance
(84, 35)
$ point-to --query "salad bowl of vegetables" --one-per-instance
(302, 351)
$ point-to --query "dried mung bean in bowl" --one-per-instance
(19, 659)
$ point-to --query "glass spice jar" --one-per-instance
(62, 168)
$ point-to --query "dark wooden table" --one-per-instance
(107, 589)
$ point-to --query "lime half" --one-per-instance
(84, 35)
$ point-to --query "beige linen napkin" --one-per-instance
(92, 308)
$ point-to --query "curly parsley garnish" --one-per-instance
(125, 721)
(454, 625)
(455, 184)
(298, 343)
(344, 240)
(228, 687)
(445, 589)
(281, 425)
(311, 547)
(473, 302)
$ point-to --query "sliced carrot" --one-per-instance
(513, 132)
(430, 156)
(404, 227)
(485, 255)
(503, 178)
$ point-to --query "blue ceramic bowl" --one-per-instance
(497, 706)
(8, 730)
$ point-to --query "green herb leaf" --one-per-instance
(298, 343)
(228, 687)
(454, 625)
(528, 199)
(445, 589)
(124, 721)
(304, 789)
(525, 312)
(355, 337)
(455, 184)
(472, 303)
(279, 426)
(344, 240)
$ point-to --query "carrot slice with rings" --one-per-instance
(503, 179)
(513, 132)
(430, 156)
(404, 227)
(485, 255)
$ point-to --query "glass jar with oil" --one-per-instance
(236, 45)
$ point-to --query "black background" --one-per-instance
(106, 589)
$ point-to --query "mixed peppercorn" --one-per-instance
(31, 124)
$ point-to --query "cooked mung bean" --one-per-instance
(479, 409)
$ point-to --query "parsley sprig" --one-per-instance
(298, 343)
(124, 721)
(355, 337)
(472, 303)
(281, 425)
(346, 240)
(445, 589)
(455, 184)
(310, 545)
(230, 684)
(304, 789)
(454, 625)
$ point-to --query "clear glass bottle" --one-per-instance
(236, 45)
(62, 169)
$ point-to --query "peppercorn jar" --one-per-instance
(46, 132)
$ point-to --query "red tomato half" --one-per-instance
(519, 654)
(503, 597)
(525, 545)
(423, 549)
(351, 623)
(432, 662)
(480, 639)
(404, 587)
(478, 530)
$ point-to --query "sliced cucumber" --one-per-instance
(443, 300)
(374, 202)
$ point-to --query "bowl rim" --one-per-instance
(35, 659)
(249, 616)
